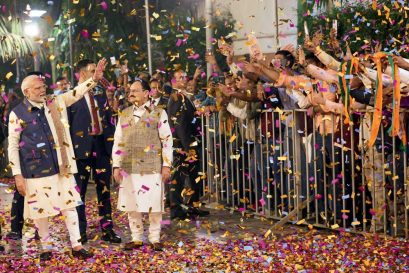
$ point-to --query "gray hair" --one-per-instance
(27, 81)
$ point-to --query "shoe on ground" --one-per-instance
(158, 246)
(198, 212)
(178, 214)
(133, 245)
(82, 254)
(46, 256)
(83, 239)
(109, 235)
(12, 235)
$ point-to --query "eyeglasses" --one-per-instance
(39, 87)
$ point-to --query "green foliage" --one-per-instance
(12, 43)
(112, 29)
(180, 39)
(363, 27)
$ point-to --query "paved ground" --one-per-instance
(223, 242)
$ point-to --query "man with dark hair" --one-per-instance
(92, 133)
(181, 112)
(157, 94)
(287, 59)
(62, 85)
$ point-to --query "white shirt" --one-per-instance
(165, 135)
(156, 101)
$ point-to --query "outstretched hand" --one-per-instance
(290, 48)
(301, 57)
(333, 41)
(99, 71)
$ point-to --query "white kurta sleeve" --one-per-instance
(71, 97)
(116, 150)
(240, 113)
(302, 100)
(373, 74)
(404, 74)
(14, 141)
(166, 138)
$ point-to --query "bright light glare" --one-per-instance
(32, 30)
(36, 13)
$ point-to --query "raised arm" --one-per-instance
(294, 82)
(324, 57)
(402, 62)
(329, 76)
(78, 92)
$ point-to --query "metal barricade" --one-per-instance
(283, 166)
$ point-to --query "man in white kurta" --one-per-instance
(142, 156)
(42, 158)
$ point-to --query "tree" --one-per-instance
(180, 39)
(363, 27)
(12, 43)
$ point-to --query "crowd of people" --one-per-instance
(144, 133)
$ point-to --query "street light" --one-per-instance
(148, 36)
(35, 13)
(209, 33)
(32, 29)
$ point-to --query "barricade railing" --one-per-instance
(283, 166)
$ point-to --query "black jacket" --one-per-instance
(80, 122)
(182, 121)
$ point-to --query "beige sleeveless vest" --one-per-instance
(141, 142)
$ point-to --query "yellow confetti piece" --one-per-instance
(301, 222)
(335, 226)
(267, 233)
(9, 75)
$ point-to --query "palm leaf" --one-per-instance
(12, 44)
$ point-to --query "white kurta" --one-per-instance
(49, 195)
(143, 193)
(46, 196)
